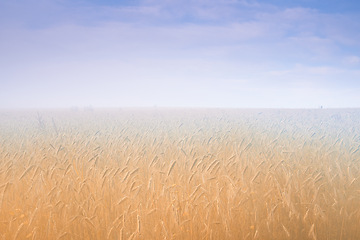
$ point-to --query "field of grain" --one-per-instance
(180, 174)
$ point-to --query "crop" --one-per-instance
(180, 174)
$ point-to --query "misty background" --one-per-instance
(191, 53)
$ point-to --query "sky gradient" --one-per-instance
(190, 53)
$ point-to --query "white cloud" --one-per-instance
(352, 60)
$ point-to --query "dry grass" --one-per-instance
(185, 174)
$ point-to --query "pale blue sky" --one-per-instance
(171, 53)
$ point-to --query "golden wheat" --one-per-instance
(180, 174)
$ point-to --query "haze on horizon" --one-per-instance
(192, 53)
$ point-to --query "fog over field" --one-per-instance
(169, 119)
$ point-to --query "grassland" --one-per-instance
(180, 174)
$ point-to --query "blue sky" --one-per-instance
(171, 53)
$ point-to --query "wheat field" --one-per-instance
(180, 174)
